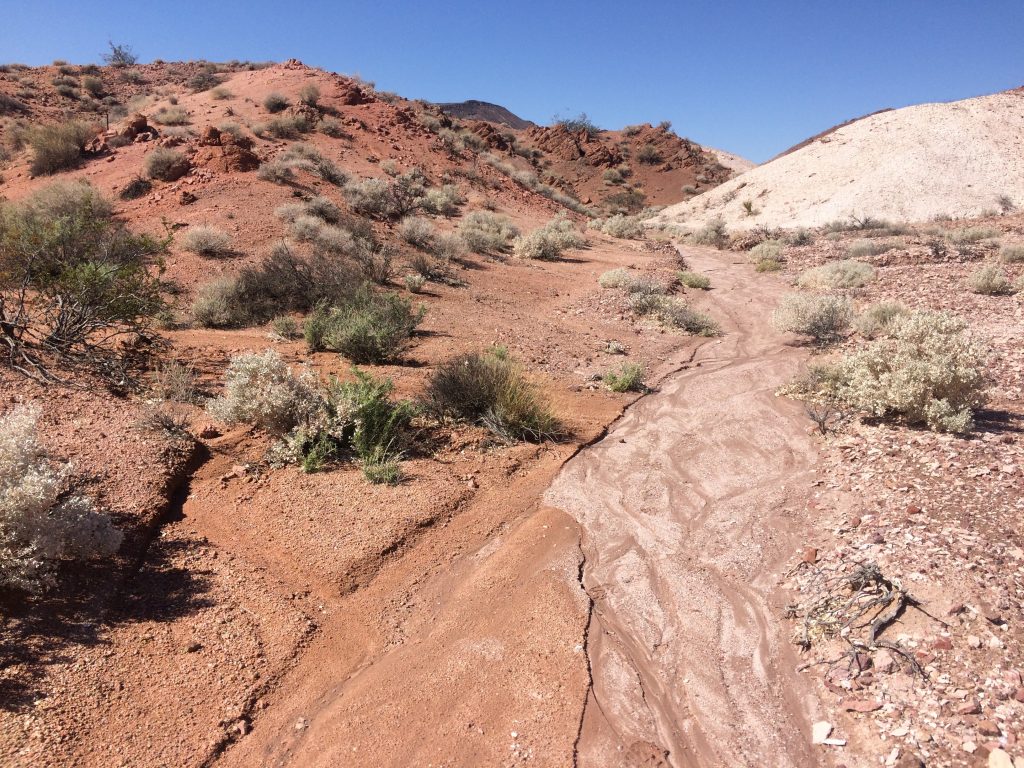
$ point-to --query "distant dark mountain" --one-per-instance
(482, 110)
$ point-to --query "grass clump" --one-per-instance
(206, 241)
(369, 327)
(57, 148)
(275, 102)
(837, 274)
(166, 164)
(630, 378)
(41, 524)
(548, 242)
(990, 280)
(823, 318)
(970, 235)
(485, 232)
(488, 389)
(694, 280)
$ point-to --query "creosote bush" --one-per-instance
(837, 274)
(548, 242)
(369, 327)
(40, 524)
(929, 370)
(488, 389)
(207, 241)
(823, 318)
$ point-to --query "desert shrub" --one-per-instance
(276, 171)
(218, 305)
(929, 370)
(203, 81)
(800, 236)
(443, 201)
(677, 314)
(369, 327)
(485, 232)
(837, 274)
(308, 157)
(165, 164)
(712, 234)
(40, 524)
(648, 154)
(488, 389)
(275, 102)
(260, 389)
(694, 280)
(207, 241)
(286, 327)
(630, 378)
(767, 250)
(306, 228)
(863, 248)
(1011, 254)
(10, 105)
(120, 56)
(57, 148)
(309, 95)
(329, 126)
(73, 281)
(823, 318)
(417, 232)
(67, 91)
(579, 123)
(92, 85)
(175, 381)
(875, 320)
(970, 235)
(135, 189)
(990, 280)
(220, 93)
(613, 176)
(171, 116)
(414, 283)
(449, 247)
(615, 278)
(323, 209)
(286, 126)
(382, 470)
(620, 225)
(548, 242)
(385, 199)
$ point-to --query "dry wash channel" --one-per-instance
(689, 507)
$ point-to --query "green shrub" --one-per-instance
(369, 327)
(386, 199)
(58, 148)
(485, 232)
(120, 56)
(630, 378)
(207, 241)
(837, 274)
(414, 283)
(929, 370)
(579, 123)
(990, 280)
(823, 318)
(876, 319)
(260, 389)
(694, 280)
(275, 102)
(286, 327)
(41, 523)
(548, 242)
(166, 164)
(488, 389)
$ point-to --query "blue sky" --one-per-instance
(750, 77)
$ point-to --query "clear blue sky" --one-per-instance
(750, 77)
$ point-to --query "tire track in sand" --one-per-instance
(689, 507)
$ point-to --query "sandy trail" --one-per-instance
(689, 508)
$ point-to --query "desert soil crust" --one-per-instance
(688, 509)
